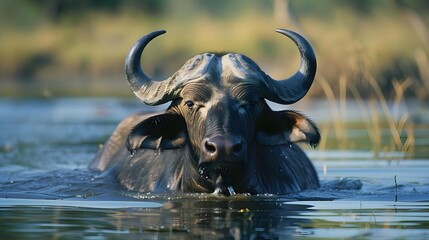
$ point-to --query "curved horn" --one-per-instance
(147, 90)
(294, 88)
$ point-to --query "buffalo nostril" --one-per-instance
(223, 148)
(236, 149)
(210, 147)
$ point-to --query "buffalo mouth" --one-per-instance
(222, 176)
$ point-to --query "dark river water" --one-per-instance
(46, 191)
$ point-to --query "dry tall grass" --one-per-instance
(390, 130)
(376, 115)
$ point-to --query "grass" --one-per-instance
(376, 114)
(389, 130)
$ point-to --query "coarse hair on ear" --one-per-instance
(160, 132)
(285, 127)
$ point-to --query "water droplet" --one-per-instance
(158, 152)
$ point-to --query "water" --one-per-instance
(46, 192)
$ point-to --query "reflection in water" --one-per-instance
(188, 217)
(208, 217)
(236, 218)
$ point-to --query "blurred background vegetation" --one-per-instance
(77, 47)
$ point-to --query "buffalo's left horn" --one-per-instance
(147, 90)
(294, 88)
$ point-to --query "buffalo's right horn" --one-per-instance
(147, 90)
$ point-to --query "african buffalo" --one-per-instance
(218, 134)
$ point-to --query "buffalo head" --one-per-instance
(218, 111)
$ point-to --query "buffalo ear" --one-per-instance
(284, 127)
(164, 131)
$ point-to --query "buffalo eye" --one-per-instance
(249, 104)
(190, 104)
